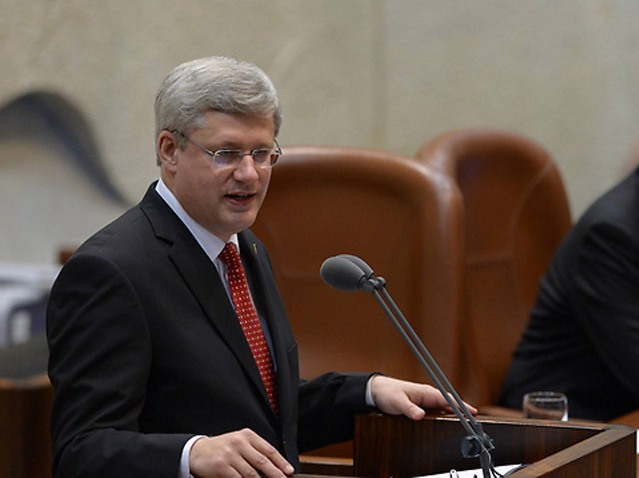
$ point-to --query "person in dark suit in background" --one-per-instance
(152, 372)
(583, 335)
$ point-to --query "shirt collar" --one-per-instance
(211, 244)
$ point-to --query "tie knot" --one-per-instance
(230, 255)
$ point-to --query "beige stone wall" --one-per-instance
(388, 74)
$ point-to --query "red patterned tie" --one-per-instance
(249, 321)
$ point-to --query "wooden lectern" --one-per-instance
(386, 446)
(25, 438)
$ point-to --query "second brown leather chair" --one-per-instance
(515, 214)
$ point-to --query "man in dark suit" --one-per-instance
(583, 335)
(152, 371)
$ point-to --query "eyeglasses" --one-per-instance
(231, 158)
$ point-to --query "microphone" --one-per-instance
(347, 272)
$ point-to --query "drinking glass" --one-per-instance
(546, 405)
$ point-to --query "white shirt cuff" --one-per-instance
(184, 471)
(369, 394)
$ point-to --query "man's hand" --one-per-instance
(398, 397)
(237, 454)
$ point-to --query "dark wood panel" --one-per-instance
(396, 446)
(25, 439)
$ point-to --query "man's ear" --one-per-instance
(167, 148)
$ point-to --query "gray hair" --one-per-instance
(214, 83)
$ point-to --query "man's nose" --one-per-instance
(246, 168)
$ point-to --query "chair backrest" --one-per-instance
(25, 439)
(515, 214)
(402, 219)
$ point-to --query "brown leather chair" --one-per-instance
(515, 214)
(402, 219)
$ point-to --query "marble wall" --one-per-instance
(376, 73)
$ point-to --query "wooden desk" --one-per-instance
(396, 446)
(25, 441)
(631, 420)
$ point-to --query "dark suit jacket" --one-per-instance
(146, 351)
(583, 335)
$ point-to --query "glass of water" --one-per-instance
(546, 405)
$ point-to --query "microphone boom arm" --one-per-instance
(477, 443)
(348, 272)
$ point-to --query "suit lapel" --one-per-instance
(258, 270)
(203, 280)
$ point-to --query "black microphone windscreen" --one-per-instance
(342, 274)
(368, 271)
